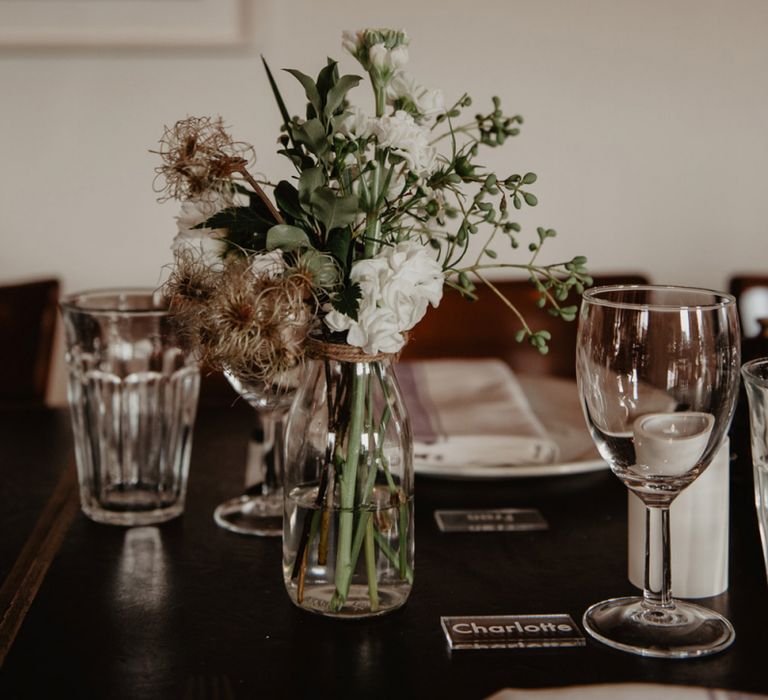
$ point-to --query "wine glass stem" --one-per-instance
(657, 591)
(272, 424)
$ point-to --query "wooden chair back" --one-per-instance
(751, 292)
(487, 328)
(28, 314)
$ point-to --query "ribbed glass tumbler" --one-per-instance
(133, 393)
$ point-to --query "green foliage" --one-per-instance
(287, 238)
(347, 300)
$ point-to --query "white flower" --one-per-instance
(387, 61)
(404, 89)
(397, 286)
(271, 263)
(352, 41)
(404, 137)
(206, 242)
(355, 124)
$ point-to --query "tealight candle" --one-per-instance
(672, 443)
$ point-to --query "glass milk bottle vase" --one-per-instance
(348, 524)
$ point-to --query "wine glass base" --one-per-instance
(683, 631)
(259, 516)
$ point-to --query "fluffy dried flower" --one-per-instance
(247, 319)
(198, 157)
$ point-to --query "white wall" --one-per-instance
(647, 123)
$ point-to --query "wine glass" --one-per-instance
(261, 514)
(657, 371)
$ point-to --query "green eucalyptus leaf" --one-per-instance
(309, 180)
(309, 88)
(339, 91)
(333, 211)
(287, 237)
(312, 134)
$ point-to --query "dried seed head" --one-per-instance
(198, 156)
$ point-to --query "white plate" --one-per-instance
(556, 403)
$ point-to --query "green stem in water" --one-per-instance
(389, 554)
(370, 566)
(347, 490)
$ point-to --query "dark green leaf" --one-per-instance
(339, 91)
(309, 88)
(529, 178)
(347, 300)
(338, 245)
(530, 199)
(246, 230)
(326, 78)
(278, 97)
(287, 198)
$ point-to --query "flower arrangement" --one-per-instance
(352, 250)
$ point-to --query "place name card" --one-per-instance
(497, 520)
(511, 632)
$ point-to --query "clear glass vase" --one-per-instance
(348, 523)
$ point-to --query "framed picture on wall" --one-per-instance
(122, 23)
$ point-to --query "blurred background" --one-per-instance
(645, 122)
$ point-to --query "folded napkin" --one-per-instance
(467, 413)
(623, 691)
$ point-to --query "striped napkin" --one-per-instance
(467, 413)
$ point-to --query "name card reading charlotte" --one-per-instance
(511, 631)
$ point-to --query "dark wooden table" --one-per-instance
(189, 610)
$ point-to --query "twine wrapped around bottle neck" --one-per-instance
(316, 349)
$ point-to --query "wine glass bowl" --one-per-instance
(657, 371)
(261, 514)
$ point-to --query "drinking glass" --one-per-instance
(261, 514)
(755, 375)
(133, 389)
(657, 371)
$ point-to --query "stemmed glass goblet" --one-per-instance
(657, 371)
(261, 514)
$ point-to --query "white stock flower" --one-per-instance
(387, 61)
(355, 124)
(352, 41)
(207, 243)
(404, 88)
(397, 285)
(404, 137)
